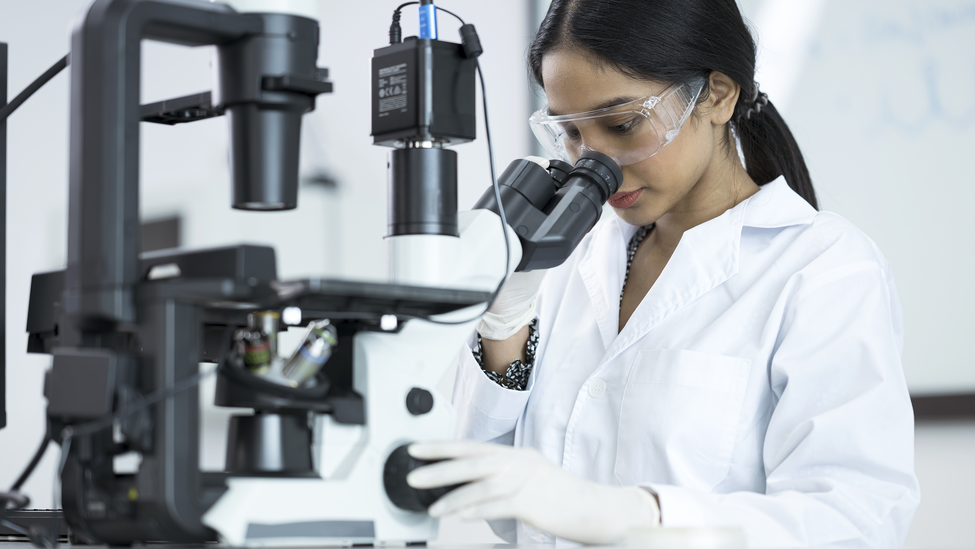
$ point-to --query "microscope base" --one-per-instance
(348, 504)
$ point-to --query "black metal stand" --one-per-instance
(51, 520)
(3, 239)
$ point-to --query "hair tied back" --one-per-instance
(759, 100)
(618, 34)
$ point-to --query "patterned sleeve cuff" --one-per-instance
(516, 377)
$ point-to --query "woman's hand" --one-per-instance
(514, 307)
(506, 482)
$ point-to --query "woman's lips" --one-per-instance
(624, 200)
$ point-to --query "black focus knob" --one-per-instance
(398, 465)
(419, 401)
(559, 170)
(601, 170)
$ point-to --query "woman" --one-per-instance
(749, 372)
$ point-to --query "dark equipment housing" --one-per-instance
(424, 100)
(423, 89)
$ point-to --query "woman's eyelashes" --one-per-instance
(616, 127)
(570, 132)
(625, 127)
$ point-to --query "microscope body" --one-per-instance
(306, 467)
(319, 466)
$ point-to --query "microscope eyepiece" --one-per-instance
(601, 170)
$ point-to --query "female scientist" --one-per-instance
(716, 353)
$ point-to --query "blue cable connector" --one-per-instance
(428, 21)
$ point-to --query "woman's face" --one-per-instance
(669, 180)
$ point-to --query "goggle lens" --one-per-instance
(628, 133)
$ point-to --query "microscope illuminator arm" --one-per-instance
(103, 200)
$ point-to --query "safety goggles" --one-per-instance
(628, 133)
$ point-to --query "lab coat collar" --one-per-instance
(776, 205)
(602, 269)
(706, 257)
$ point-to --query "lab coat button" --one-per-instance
(597, 388)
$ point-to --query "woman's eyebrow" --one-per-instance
(609, 103)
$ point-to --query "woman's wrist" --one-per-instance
(499, 354)
(509, 363)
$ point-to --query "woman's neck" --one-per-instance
(723, 186)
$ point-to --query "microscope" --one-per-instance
(321, 459)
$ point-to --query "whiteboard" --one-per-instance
(880, 95)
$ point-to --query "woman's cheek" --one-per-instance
(644, 175)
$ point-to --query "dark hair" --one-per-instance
(678, 41)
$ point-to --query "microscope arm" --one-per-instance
(103, 220)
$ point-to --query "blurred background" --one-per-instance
(877, 92)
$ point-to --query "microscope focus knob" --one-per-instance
(398, 465)
(419, 401)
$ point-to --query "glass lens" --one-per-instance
(628, 133)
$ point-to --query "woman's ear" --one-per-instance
(723, 98)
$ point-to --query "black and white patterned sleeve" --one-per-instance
(516, 378)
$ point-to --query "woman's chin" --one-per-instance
(635, 215)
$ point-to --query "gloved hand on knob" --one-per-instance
(514, 307)
(505, 482)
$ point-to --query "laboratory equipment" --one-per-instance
(320, 460)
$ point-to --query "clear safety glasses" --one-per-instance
(628, 133)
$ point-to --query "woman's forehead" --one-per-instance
(578, 82)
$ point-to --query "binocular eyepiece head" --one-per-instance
(552, 210)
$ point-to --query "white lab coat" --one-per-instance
(758, 383)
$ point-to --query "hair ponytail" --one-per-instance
(678, 41)
(768, 146)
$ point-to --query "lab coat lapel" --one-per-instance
(601, 269)
(706, 257)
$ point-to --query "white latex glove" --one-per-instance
(506, 482)
(514, 307)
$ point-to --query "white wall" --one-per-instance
(37, 149)
(878, 97)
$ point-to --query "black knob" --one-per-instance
(559, 170)
(419, 401)
(398, 465)
(600, 169)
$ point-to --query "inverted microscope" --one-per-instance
(321, 459)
